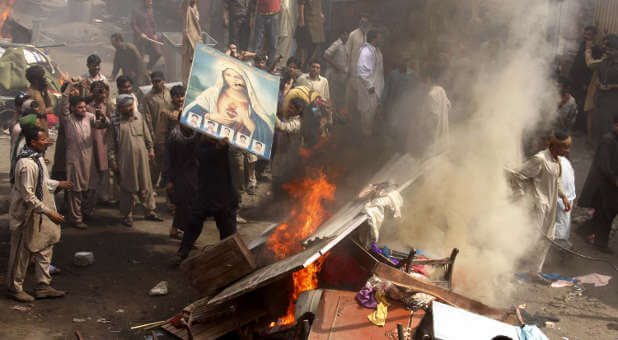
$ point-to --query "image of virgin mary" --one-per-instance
(232, 102)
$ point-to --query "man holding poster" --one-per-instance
(242, 99)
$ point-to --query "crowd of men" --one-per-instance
(118, 150)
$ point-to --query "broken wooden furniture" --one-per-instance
(217, 266)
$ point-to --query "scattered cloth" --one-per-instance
(597, 279)
(561, 284)
(418, 301)
(159, 290)
(374, 210)
(365, 298)
(378, 317)
(531, 333)
(556, 277)
(384, 251)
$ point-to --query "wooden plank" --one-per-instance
(217, 266)
(400, 278)
(265, 275)
(340, 317)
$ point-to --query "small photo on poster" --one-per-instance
(226, 132)
(258, 147)
(195, 120)
(242, 140)
(211, 127)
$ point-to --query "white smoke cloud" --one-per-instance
(464, 202)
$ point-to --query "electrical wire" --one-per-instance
(572, 252)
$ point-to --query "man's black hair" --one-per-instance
(364, 15)
(178, 91)
(371, 36)
(122, 80)
(34, 73)
(76, 100)
(615, 118)
(258, 58)
(293, 60)
(21, 98)
(118, 37)
(561, 135)
(93, 59)
(299, 104)
(315, 61)
(591, 28)
(285, 78)
(31, 132)
(96, 85)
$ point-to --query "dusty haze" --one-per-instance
(464, 201)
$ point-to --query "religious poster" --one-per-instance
(227, 98)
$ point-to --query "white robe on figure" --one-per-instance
(289, 21)
(439, 107)
(370, 71)
(540, 175)
(563, 218)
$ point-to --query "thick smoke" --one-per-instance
(464, 201)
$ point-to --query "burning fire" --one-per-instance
(5, 10)
(304, 280)
(310, 194)
(306, 216)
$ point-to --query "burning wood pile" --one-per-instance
(321, 276)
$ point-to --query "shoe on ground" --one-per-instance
(21, 296)
(47, 292)
(127, 222)
(80, 225)
(251, 191)
(153, 217)
(240, 220)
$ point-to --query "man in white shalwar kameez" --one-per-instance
(541, 174)
(289, 21)
(355, 41)
(370, 75)
(439, 107)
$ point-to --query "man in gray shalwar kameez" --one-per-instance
(79, 126)
(129, 155)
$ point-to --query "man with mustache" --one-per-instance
(33, 219)
(79, 126)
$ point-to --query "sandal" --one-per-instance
(127, 221)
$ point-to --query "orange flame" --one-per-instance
(5, 10)
(310, 194)
(305, 217)
(304, 280)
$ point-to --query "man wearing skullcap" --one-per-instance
(129, 155)
(543, 171)
(601, 190)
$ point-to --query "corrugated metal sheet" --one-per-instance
(606, 16)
